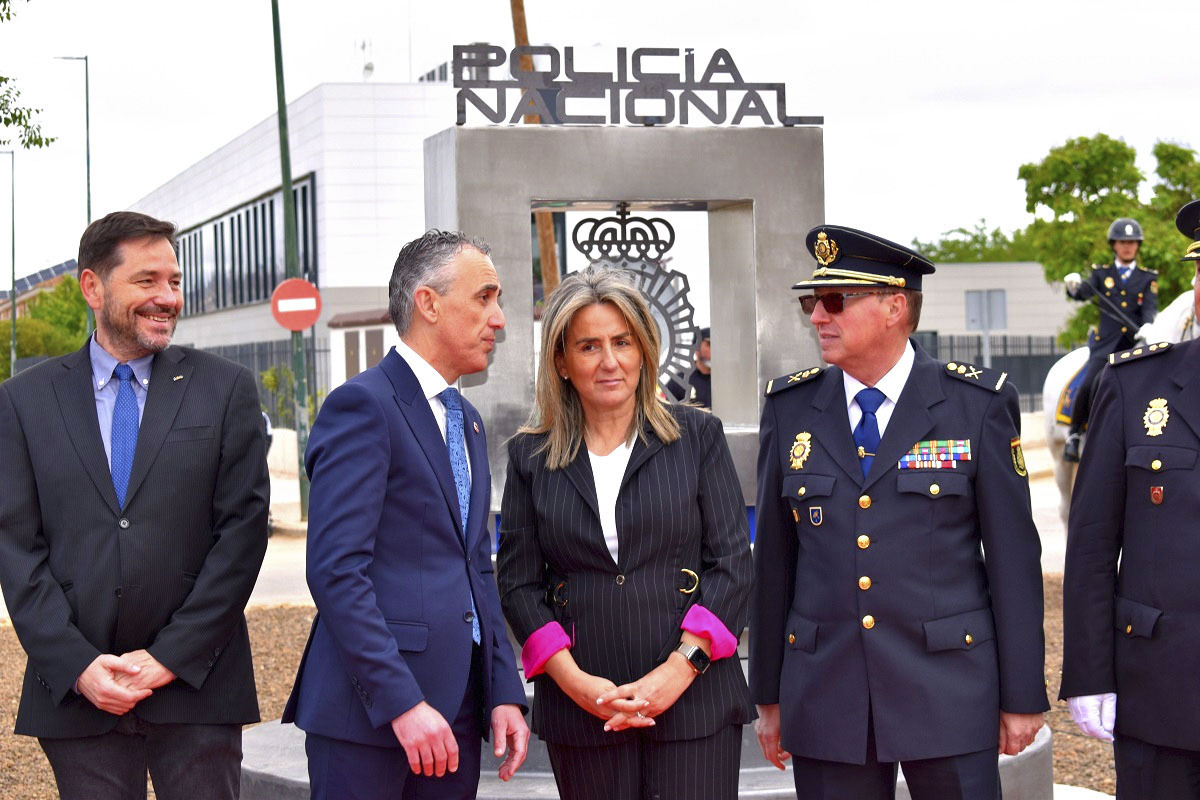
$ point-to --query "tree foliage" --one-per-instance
(13, 115)
(64, 308)
(35, 337)
(975, 246)
(1080, 187)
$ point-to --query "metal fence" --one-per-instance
(1026, 359)
(271, 363)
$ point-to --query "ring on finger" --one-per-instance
(640, 715)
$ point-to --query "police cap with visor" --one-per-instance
(852, 258)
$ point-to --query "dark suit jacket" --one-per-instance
(388, 568)
(679, 506)
(948, 553)
(1136, 631)
(1137, 298)
(171, 572)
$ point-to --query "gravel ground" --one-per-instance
(278, 634)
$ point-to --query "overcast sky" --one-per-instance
(930, 107)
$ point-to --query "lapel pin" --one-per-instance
(475, 425)
(1156, 495)
(177, 378)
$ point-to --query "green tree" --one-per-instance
(35, 337)
(14, 115)
(1080, 187)
(64, 308)
(976, 245)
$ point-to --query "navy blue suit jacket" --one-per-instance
(388, 568)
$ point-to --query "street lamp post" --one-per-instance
(12, 294)
(87, 143)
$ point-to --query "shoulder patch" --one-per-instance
(983, 377)
(1125, 356)
(1153, 272)
(777, 385)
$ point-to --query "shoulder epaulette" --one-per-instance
(777, 385)
(1125, 356)
(1153, 272)
(983, 377)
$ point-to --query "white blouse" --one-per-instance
(607, 472)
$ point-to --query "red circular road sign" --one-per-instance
(296, 304)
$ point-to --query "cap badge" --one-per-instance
(826, 250)
(1156, 416)
(801, 450)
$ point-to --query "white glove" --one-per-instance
(1095, 714)
(1072, 281)
(1146, 333)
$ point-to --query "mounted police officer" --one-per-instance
(897, 606)
(1131, 617)
(1127, 295)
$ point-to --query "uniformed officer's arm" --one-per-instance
(1012, 556)
(1078, 288)
(1150, 302)
(774, 566)
(1094, 539)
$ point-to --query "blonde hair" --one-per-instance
(557, 409)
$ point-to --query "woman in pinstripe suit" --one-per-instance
(624, 561)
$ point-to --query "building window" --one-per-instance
(236, 258)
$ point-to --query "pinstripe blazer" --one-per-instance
(170, 572)
(679, 506)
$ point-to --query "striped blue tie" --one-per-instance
(456, 444)
(123, 442)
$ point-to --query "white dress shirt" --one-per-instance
(891, 384)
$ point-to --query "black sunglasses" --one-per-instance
(834, 302)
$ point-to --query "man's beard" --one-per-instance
(123, 328)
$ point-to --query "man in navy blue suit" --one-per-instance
(408, 659)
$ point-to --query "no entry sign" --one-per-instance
(296, 304)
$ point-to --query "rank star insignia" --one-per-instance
(1156, 416)
(825, 250)
(801, 450)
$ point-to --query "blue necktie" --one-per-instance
(123, 442)
(455, 443)
(1125, 273)
(866, 434)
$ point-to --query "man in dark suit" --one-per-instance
(133, 523)
(1127, 296)
(897, 607)
(409, 659)
(1129, 591)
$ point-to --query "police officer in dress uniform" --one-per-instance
(897, 606)
(1133, 631)
(1122, 286)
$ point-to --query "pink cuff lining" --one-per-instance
(541, 644)
(702, 622)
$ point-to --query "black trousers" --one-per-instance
(640, 768)
(340, 770)
(185, 762)
(1150, 772)
(969, 776)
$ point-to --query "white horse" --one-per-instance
(1175, 323)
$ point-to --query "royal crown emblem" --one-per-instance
(826, 250)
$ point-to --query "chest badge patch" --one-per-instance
(801, 450)
(936, 454)
(1156, 495)
(815, 516)
(1156, 416)
(1109, 282)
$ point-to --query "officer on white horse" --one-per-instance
(1127, 295)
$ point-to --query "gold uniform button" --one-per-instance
(800, 492)
(791, 638)
(864, 501)
(1156, 465)
(864, 542)
(934, 488)
(1124, 304)
(868, 622)
(968, 639)
(952, 366)
(1129, 629)
(864, 582)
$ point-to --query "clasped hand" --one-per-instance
(118, 683)
(636, 704)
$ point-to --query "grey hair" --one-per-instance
(425, 262)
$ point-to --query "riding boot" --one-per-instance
(1071, 449)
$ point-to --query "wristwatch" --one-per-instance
(695, 656)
